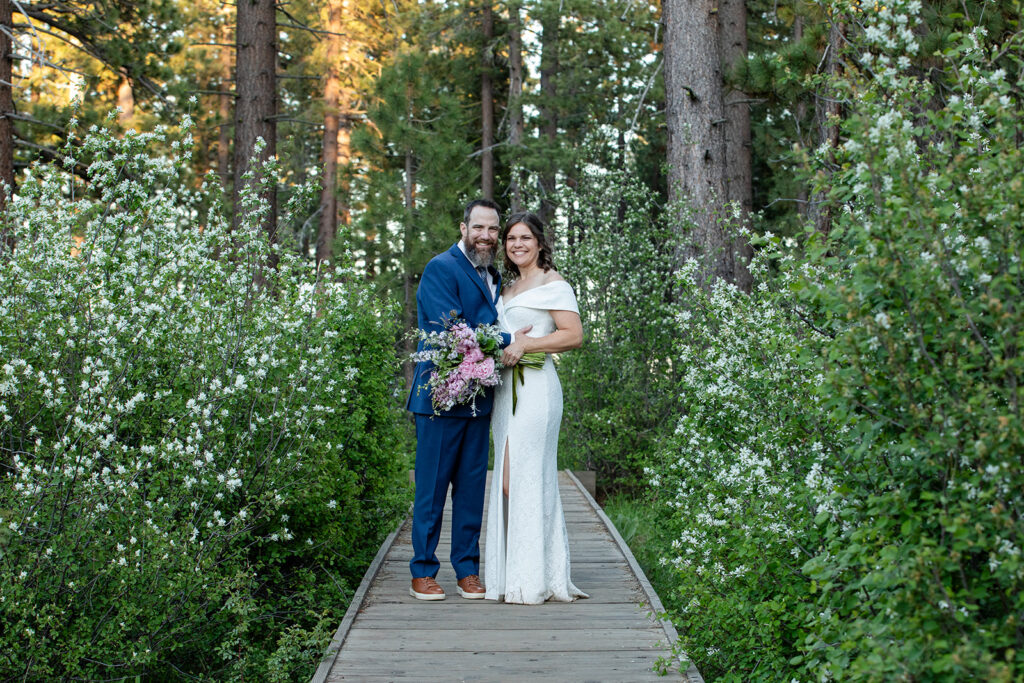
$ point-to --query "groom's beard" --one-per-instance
(483, 256)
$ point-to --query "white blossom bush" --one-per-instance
(845, 484)
(740, 481)
(195, 466)
(619, 386)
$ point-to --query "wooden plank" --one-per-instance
(483, 621)
(623, 665)
(580, 610)
(691, 673)
(597, 595)
(473, 640)
(611, 636)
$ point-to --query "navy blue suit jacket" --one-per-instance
(451, 288)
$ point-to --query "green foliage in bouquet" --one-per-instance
(199, 453)
(845, 482)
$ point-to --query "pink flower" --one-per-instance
(480, 370)
(456, 384)
(488, 368)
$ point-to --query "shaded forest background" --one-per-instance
(402, 110)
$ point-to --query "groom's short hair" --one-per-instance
(479, 202)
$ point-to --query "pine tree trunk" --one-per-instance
(332, 97)
(256, 99)
(344, 158)
(224, 111)
(738, 172)
(515, 99)
(697, 131)
(827, 111)
(802, 193)
(6, 124)
(487, 107)
(125, 100)
(548, 112)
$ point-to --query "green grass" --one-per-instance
(640, 529)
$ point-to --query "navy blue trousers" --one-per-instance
(449, 450)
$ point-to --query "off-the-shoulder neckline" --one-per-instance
(527, 291)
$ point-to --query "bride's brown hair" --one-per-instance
(544, 259)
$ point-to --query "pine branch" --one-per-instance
(282, 117)
(304, 27)
(485, 149)
(31, 119)
(643, 95)
(52, 155)
(42, 60)
(202, 91)
(92, 49)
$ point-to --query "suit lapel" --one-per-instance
(463, 261)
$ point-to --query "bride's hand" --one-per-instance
(511, 354)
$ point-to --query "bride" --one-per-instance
(527, 549)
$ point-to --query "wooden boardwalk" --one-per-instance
(387, 635)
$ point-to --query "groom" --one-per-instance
(452, 448)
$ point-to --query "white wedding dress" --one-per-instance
(527, 549)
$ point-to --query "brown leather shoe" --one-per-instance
(425, 588)
(471, 588)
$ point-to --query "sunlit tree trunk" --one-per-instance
(344, 158)
(256, 98)
(487, 107)
(125, 100)
(515, 99)
(332, 98)
(224, 110)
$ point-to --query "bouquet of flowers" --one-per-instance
(466, 362)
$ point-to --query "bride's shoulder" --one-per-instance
(553, 276)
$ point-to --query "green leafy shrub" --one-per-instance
(920, 574)
(845, 483)
(196, 466)
(731, 481)
(619, 386)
